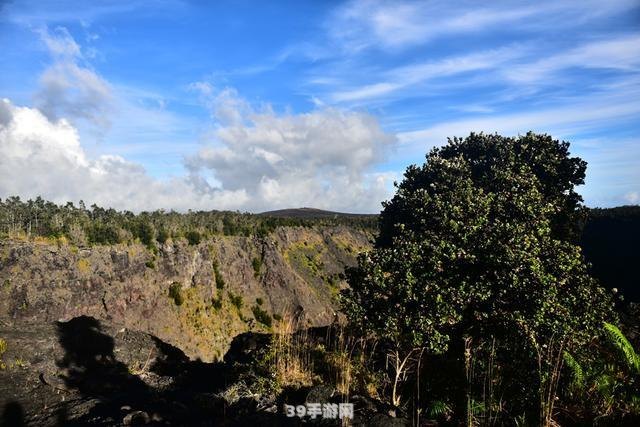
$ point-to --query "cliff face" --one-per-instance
(195, 297)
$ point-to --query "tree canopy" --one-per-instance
(478, 242)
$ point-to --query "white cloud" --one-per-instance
(40, 157)
(411, 75)
(507, 65)
(561, 121)
(393, 25)
(617, 53)
(321, 159)
(262, 161)
(60, 44)
(37, 12)
(258, 160)
(111, 117)
(69, 87)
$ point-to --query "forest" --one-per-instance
(95, 225)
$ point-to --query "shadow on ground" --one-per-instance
(98, 389)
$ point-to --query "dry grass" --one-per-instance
(291, 354)
(84, 266)
(341, 360)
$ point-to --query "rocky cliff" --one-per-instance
(195, 297)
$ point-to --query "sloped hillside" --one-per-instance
(196, 297)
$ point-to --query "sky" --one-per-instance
(254, 106)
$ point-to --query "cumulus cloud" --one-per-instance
(256, 162)
(69, 87)
(322, 158)
(40, 157)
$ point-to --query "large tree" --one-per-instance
(477, 244)
(556, 173)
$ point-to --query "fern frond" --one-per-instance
(623, 346)
(438, 409)
(577, 373)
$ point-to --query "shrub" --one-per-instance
(193, 237)
(476, 246)
(217, 275)
(257, 266)
(261, 315)
(104, 234)
(163, 236)
(175, 292)
(145, 232)
(216, 303)
(236, 300)
(259, 301)
(84, 266)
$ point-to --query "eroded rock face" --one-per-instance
(298, 271)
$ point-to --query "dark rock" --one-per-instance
(383, 420)
(320, 394)
(136, 418)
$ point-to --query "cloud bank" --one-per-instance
(260, 161)
(40, 157)
(321, 159)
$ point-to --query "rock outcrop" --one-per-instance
(196, 298)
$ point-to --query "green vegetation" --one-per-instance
(475, 262)
(175, 293)
(216, 303)
(261, 315)
(475, 307)
(98, 226)
(3, 348)
(623, 347)
(217, 275)
(163, 236)
(256, 263)
(145, 232)
(236, 300)
(305, 258)
(193, 237)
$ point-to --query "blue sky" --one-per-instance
(264, 105)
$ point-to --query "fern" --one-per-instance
(577, 373)
(438, 409)
(623, 346)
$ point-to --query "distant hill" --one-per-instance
(311, 213)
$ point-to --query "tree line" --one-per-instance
(95, 225)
